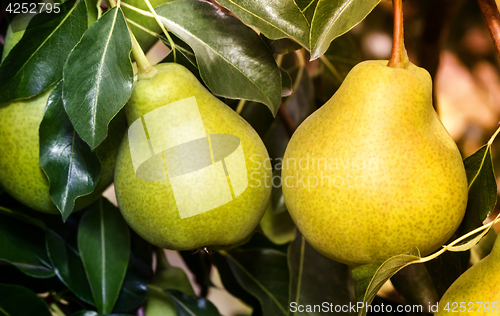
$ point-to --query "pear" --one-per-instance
(481, 283)
(20, 173)
(373, 172)
(150, 206)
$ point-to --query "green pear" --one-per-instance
(477, 290)
(20, 173)
(151, 207)
(145, 40)
(373, 172)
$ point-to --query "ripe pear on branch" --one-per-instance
(374, 172)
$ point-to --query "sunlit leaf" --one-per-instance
(333, 18)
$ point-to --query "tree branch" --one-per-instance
(492, 17)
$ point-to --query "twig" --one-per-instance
(492, 17)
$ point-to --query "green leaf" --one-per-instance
(68, 266)
(307, 7)
(133, 292)
(275, 19)
(104, 245)
(72, 168)
(446, 268)
(482, 188)
(23, 245)
(98, 77)
(17, 300)
(191, 305)
(36, 62)
(370, 277)
(278, 226)
(305, 286)
(264, 274)
(415, 284)
(230, 52)
(333, 18)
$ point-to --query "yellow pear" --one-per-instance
(373, 172)
(190, 173)
(477, 291)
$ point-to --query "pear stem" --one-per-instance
(399, 57)
(146, 71)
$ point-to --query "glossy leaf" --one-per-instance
(68, 266)
(98, 77)
(230, 52)
(307, 7)
(333, 18)
(72, 168)
(133, 292)
(104, 245)
(370, 277)
(17, 300)
(264, 274)
(23, 245)
(139, 271)
(305, 286)
(36, 62)
(482, 188)
(275, 19)
(191, 305)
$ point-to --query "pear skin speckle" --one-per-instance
(380, 173)
(150, 207)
